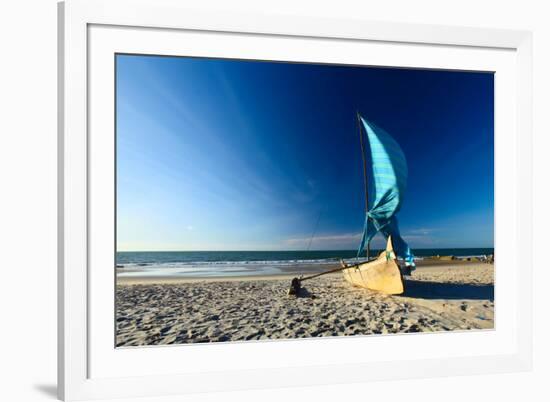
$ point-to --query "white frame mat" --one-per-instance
(92, 31)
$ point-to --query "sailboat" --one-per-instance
(385, 184)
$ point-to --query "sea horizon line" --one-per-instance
(290, 250)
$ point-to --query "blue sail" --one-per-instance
(387, 188)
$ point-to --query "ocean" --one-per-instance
(211, 264)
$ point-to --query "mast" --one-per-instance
(365, 181)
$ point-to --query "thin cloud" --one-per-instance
(419, 231)
(325, 241)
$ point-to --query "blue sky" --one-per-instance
(241, 155)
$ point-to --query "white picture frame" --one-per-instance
(89, 367)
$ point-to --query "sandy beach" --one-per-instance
(439, 297)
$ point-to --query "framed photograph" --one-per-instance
(254, 201)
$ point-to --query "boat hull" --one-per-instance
(380, 275)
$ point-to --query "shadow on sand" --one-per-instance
(453, 291)
(304, 293)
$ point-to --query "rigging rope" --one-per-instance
(315, 229)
